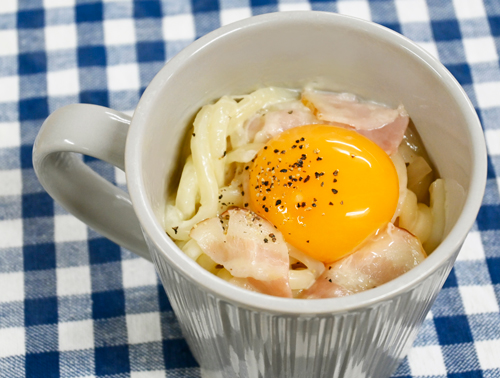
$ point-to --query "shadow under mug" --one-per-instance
(238, 333)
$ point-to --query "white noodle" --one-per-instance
(399, 163)
(244, 154)
(188, 190)
(176, 227)
(416, 217)
(192, 249)
(222, 112)
(301, 279)
(438, 200)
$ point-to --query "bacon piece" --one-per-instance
(382, 125)
(278, 288)
(381, 258)
(281, 117)
(249, 247)
(275, 122)
(388, 137)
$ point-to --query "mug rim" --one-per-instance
(261, 302)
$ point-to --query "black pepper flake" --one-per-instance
(219, 266)
(224, 154)
(194, 134)
(266, 209)
(284, 170)
(307, 241)
(298, 205)
(330, 280)
(294, 146)
(336, 172)
(303, 204)
(175, 229)
(352, 156)
(341, 202)
(297, 141)
(220, 197)
(335, 191)
(283, 152)
(322, 184)
(263, 199)
(334, 180)
(266, 183)
(276, 151)
(278, 202)
(330, 267)
(303, 157)
(313, 205)
(307, 178)
(246, 168)
(319, 158)
(265, 240)
(319, 174)
(246, 205)
(265, 147)
(302, 139)
(301, 146)
(242, 193)
(331, 203)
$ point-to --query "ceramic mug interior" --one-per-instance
(291, 50)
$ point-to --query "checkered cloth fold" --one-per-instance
(74, 304)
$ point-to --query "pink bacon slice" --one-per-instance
(277, 288)
(249, 247)
(381, 258)
(382, 125)
(277, 121)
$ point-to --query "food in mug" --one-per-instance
(306, 194)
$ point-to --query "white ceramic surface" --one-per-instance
(233, 332)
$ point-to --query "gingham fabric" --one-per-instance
(73, 304)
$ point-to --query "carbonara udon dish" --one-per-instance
(306, 194)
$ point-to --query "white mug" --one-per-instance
(238, 333)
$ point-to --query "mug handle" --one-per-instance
(101, 133)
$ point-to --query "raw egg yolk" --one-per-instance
(325, 188)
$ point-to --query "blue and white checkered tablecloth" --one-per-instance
(73, 304)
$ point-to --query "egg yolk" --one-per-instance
(325, 188)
